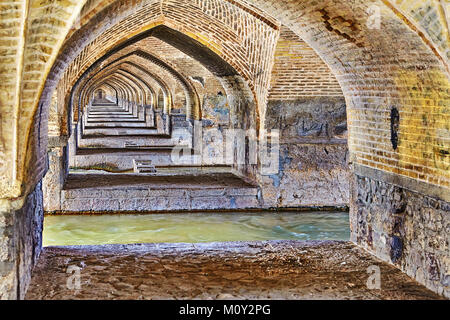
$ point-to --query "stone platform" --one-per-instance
(155, 192)
(235, 270)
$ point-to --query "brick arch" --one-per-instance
(123, 60)
(310, 23)
(380, 71)
(146, 100)
(209, 26)
(61, 23)
(126, 91)
(193, 110)
(387, 75)
(109, 87)
(217, 67)
(130, 79)
(137, 69)
(238, 59)
(376, 75)
(132, 90)
(429, 19)
(131, 76)
(193, 104)
(135, 90)
(407, 10)
(100, 92)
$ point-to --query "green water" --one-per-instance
(193, 228)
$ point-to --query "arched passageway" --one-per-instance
(311, 70)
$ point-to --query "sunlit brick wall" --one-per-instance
(299, 72)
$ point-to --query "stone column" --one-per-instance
(58, 169)
(21, 224)
(8, 279)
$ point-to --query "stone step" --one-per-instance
(111, 113)
(115, 109)
(103, 110)
(94, 133)
(120, 142)
(127, 125)
(111, 119)
(103, 102)
(123, 113)
(137, 146)
(143, 166)
(124, 151)
(141, 118)
(146, 193)
(120, 160)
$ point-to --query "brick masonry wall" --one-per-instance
(431, 17)
(298, 71)
(406, 228)
(377, 76)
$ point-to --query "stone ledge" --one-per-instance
(423, 188)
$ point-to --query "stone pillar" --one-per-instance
(8, 279)
(74, 139)
(404, 222)
(54, 179)
(20, 242)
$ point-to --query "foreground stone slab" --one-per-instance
(234, 270)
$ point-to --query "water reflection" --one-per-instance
(192, 228)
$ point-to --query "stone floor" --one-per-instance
(238, 270)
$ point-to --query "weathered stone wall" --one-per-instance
(406, 228)
(314, 168)
(20, 245)
(307, 105)
(53, 181)
(151, 199)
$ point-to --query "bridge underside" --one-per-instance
(228, 271)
